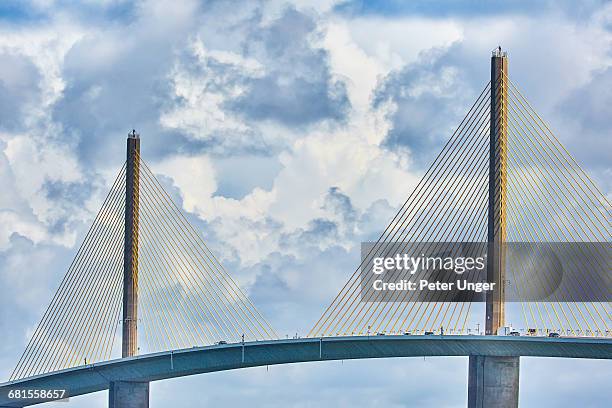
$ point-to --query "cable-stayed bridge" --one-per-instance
(144, 283)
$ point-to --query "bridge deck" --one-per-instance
(197, 360)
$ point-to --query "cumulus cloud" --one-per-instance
(19, 91)
(428, 98)
(239, 96)
(288, 133)
(298, 89)
(587, 112)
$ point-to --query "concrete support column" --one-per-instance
(129, 339)
(493, 382)
(128, 394)
(496, 227)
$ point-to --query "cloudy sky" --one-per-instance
(290, 132)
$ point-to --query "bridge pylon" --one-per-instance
(498, 159)
(129, 340)
(130, 394)
(494, 381)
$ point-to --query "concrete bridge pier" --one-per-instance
(493, 382)
(128, 394)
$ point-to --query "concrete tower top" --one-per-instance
(497, 52)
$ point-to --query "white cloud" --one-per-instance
(395, 42)
(195, 177)
(11, 223)
(177, 70)
(202, 86)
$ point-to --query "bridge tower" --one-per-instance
(493, 382)
(498, 157)
(130, 394)
(129, 340)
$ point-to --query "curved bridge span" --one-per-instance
(198, 360)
